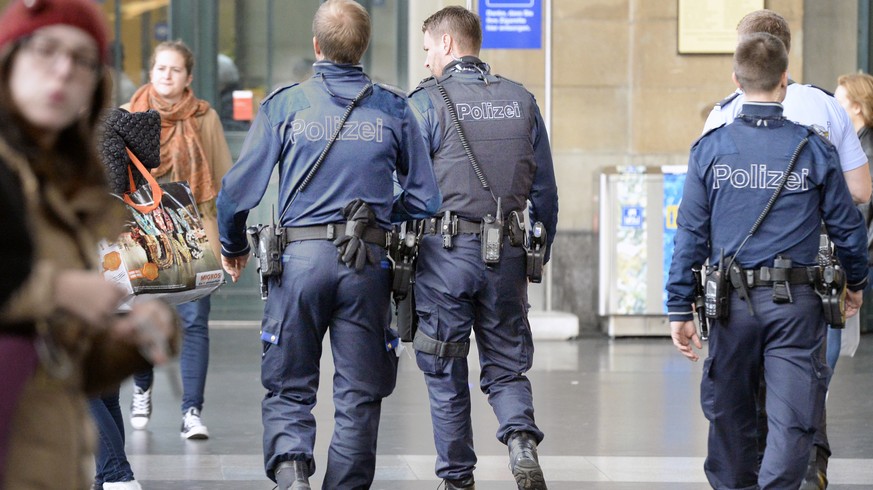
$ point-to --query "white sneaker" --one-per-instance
(122, 485)
(192, 427)
(140, 408)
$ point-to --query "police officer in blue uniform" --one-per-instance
(317, 289)
(456, 291)
(810, 106)
(774, 319)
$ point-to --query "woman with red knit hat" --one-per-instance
(53, 83)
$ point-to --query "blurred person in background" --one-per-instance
(855, 94)
(53, 83)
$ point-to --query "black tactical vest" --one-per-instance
(498, 120)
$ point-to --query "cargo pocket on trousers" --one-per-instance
(707, 390)
(429, 323)
(820, 376)
(271, 330)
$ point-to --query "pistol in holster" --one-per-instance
(536, 252)
(267, 243)
(403, 253)
(831, 285)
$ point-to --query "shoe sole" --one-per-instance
(195, 434)
(138, 424)
(529, 476)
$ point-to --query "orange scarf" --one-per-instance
(181, 150)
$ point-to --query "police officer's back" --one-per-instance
(338, 140)
(489, 145)
(770, 319)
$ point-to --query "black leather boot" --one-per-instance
(462, 484)
(293, 475)
(816, 470)
(524, 463)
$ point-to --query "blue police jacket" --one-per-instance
(506, 134)
(379, 142)
(732, 172)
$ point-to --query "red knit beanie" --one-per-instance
(23, 17)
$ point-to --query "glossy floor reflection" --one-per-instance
(617, 414)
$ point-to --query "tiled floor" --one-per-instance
(620, 414)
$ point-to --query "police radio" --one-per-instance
(716, 297)
(492, 236)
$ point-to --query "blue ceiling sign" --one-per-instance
(511, 24)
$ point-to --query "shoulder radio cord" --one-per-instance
(454, 116)
(317, 164)
(773, 198)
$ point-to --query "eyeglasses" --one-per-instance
(47, 51)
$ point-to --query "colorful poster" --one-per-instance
(631, 257)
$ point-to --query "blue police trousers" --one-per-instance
(456, 293)
(319, 293)
(785, 342)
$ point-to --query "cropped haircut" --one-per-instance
(458, 22)
(179, 47)
(859, 89)
(766, 21)
(759, 62)
(342, 29)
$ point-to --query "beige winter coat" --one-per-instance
(52, 439)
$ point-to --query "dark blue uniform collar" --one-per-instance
(327, 68)
(753, 112)
(343, 80)
(467, 64)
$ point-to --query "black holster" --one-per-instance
(267, 243)
(403, 252)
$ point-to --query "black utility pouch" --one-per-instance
(781, 284)
(515, 228)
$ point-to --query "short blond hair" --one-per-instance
(766, 21)
(859, 89)
(342, 29)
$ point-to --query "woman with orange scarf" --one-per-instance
(193, 149)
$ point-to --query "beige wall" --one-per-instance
(621, 92)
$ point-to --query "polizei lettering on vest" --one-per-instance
(757, 177)
(352, 130)
(498, 109)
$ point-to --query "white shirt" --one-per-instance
(807, 105)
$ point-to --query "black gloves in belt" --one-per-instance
(352, 249)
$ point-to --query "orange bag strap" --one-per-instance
(157, 192)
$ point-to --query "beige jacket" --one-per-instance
(52, 439)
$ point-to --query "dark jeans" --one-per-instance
(194, 358)
(111, 461)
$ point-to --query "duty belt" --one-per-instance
(372, 234)
(766, 276)
(434, 226)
